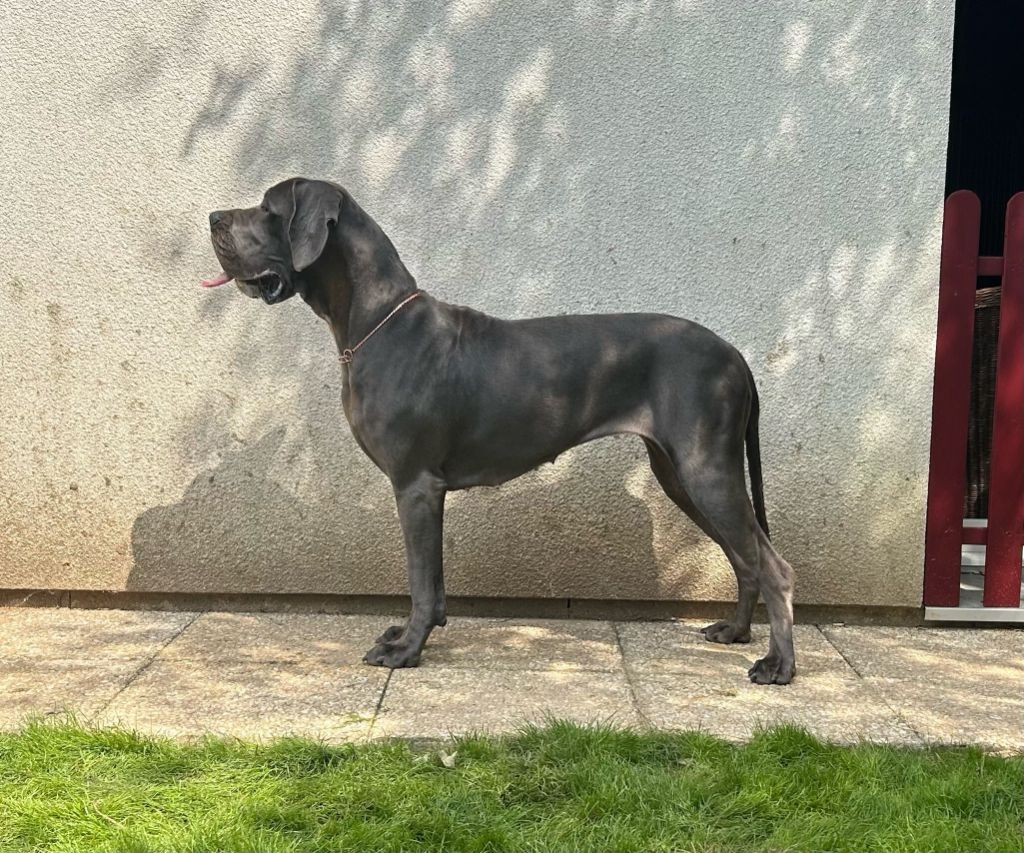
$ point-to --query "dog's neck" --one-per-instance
(354, 286)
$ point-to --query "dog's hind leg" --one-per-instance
(720, 496)
(779, 665)
(421, 513)
(716, 498)
(738, 630)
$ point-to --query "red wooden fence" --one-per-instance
(944, 533)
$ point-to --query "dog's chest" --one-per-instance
(361, 422)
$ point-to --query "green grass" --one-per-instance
(560, 787)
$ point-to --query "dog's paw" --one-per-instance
(772, 670)
(392, 655)
(725, 632)
(390, 635)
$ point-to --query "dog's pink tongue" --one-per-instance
(216, 281)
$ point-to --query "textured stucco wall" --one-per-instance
(773, 171)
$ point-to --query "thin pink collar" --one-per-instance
(346, 354)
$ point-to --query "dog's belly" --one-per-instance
(500, 449)
(468, 471)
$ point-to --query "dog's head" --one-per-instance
(265, 250)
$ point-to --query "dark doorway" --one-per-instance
(986, 155)
(986, 114)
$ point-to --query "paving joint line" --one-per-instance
(629, 677)
(380, 703)
(877, 693)
(148, 663)
(839, 651)
(896, 713)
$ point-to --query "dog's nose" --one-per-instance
(216, 216)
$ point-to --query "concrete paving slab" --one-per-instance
(831, 706)
(950, 711)
(66, 633)
(341, 640)
(250, 699)
(524, 644)
(31, 686)
(679, 647)
(264, 675)
(436, 702)
(931, 653)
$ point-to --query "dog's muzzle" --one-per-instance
(268, 286)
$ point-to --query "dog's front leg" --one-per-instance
(421, 513)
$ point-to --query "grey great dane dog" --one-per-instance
(442, 397)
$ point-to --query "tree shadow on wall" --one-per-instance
(519, 170)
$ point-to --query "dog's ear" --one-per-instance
(316, 206)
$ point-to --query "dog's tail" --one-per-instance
(754, 458)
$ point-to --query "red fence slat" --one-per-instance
(974, 536)
(1006, 478)
(958, 274)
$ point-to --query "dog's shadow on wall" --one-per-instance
(230, 518)
(238, 529)
(564, 531)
